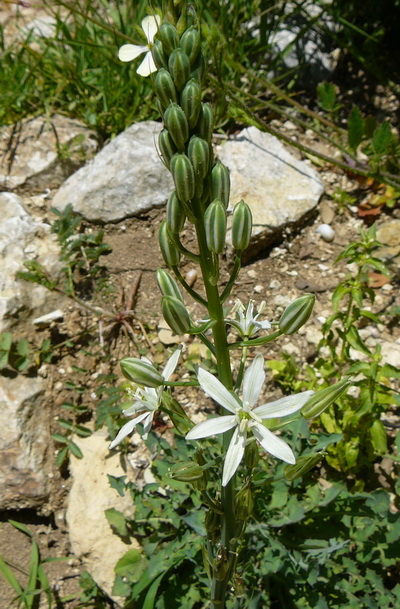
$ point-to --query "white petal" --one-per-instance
(211, 427)
(171, 364)
(147, 425)
(272, 444)
(264, 325)
(253, 381)
(127, 429)
(147, 66)
(136, 407)
(234, 455)
(128, 52)
(284, 406)
(216, 390)
(150, 25)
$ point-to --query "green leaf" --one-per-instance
(390, 371)
(117, 483)
(127, 565)
(5, 341)
(10, 577)
(378, 437)
(355, 128)
(326, 96)
(381, 138)
(75, 450)
(152, 592)
(117, 521)
(356, 341)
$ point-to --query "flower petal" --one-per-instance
(171, 364)
(234, 455)
(211, 427)
(150, 25)
(147, 66)
(284, 406)
(147, 425)
(127, 429)
(253, 381)
(272, 444)
(128, 52)
(216, 390)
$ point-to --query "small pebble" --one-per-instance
(258, 289)
(275, 284)
(323, 267)
(252, 274)
(327, 233)
(191, 277)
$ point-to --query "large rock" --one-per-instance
(22, 238)
(24, 444)
(280, 190)
(40, 153)
(90, 534)
(124, 179)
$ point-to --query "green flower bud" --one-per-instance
(175, 314)
(212, 521)
(191, 102)
(215, 226)
(167, 284)
(160, 58)
(244, 503)
(242, 224)
(179, 66)
(141, 372)
(186, 472)
(176, 122)
(251, 455)
(302, 466)
(220, 183)
(167, 147)
(165, 88)
(296, 314)
(169, 251)
(190, 43)
(175, 214)
(205, 125)
(199, 154)
(183, 175)
(169, 37)
(321, 400)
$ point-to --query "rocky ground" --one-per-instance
(126, 199)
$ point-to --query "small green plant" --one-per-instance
(29, 594)
(20, 355)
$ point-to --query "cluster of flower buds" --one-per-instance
(202, 186)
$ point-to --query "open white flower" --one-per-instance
(147, 401)
(128, 52)
(247, 323)
(245, 416)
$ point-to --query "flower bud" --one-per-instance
(176, 122)
(160, 58)
(179, 66)
(205, 125)
(169, 37)
(141, 372)
(167, 147)
(175, 214)
(191, 102)
(165, 88)
(321, 400)
(296, 314)
(242, 224)
(244, 503)
(251, 455)
(190, 43)
(199, 154)
(175, 314)
(183, 175)
(186, 472)
(169, 251)
(215, 226)
(220, 183)
(302, 466)
(167, 284)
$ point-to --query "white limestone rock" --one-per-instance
(124, 179)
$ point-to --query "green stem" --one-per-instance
(188, 289)
(232, 279)
(225, 558)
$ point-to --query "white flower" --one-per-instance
(147, 401)
(247, 324)
(244, 416)
(128, 52)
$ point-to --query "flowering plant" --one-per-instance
(200, 198)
